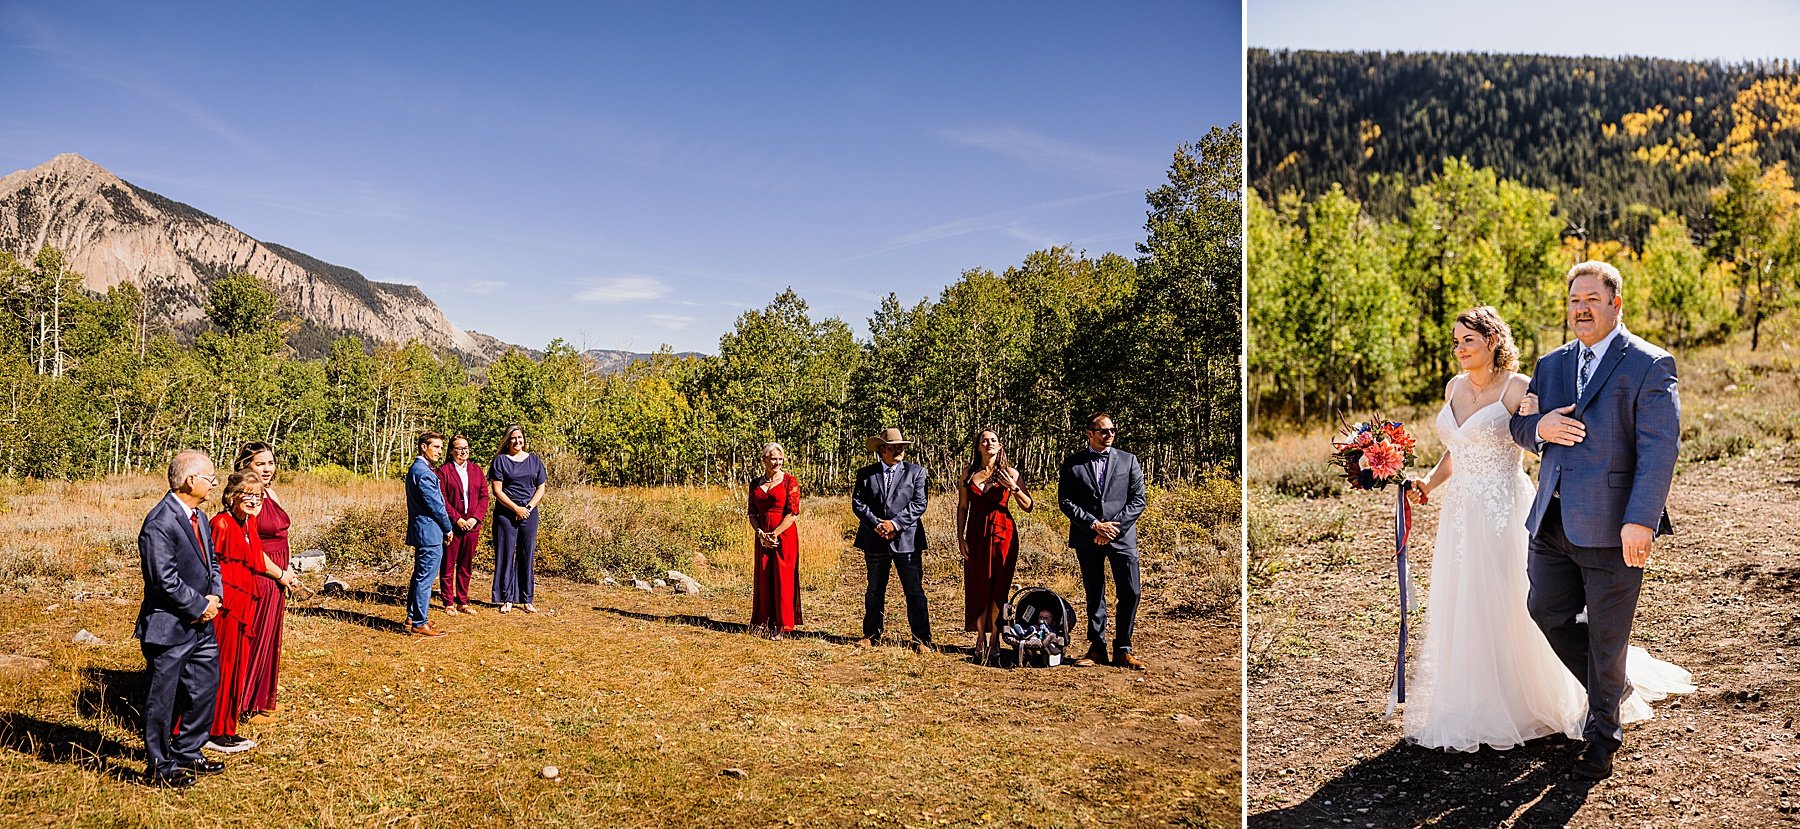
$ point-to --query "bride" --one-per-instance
(1485, 674)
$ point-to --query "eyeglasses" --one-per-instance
(460, 449)
(211, 479)
(249, 496)
(1104, 431)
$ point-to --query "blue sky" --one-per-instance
(1730, 30)
(627, 174)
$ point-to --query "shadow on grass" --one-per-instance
(1407, 785)
(338, 614)
(710, 623)
(54, 742)
(114, 695)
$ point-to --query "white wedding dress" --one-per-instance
(1485, 674)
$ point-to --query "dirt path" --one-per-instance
(1722, 598)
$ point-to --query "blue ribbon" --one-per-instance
(1402, 532)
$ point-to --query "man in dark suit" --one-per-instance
(1609, 433)
(428, 529)
(181, 596)
(1101, 490)
(889, 500)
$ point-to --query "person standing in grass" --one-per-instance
(1101, 489)
(464, 484)
(240, 556)
(428, 529)
(988, 539)
(273, 577)
(182, 592)
(889, 501)
(774, 507)
(516, 479)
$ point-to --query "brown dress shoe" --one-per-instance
(1095, 655)
(1125, 659)
(426, 631)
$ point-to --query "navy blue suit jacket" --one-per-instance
(179, 573)
(904, 506)
(427, 522)
(1620, 473)
(1084, 500)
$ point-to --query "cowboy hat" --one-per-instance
(888, 437)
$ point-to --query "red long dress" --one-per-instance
(271, 609)
(234, 627)
(993, 551)
(775, 598)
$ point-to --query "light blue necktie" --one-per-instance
(1587, 367)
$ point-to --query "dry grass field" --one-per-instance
(643, 701)
(1719, 599)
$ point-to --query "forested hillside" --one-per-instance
(88, 385)
(1392, 192)
(1616, 140)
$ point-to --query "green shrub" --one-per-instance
(372, 536)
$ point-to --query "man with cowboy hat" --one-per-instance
(889, 500)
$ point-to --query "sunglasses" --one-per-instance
(1104, 431)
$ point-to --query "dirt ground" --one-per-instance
(643, 701)
(1721, 598)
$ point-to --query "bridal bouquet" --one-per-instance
(1373, 453)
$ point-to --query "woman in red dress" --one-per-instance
(273, 576)
(235, 546)
(988, 539)
(774, 506)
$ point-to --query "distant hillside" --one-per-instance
(113, 232)
(612, 362)
(1616, 138)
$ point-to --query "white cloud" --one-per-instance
(673, 322)
(1046, 152)
(484, 286)
(627, 288)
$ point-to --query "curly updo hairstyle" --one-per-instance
(1487, 322)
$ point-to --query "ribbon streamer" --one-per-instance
(1402, 533)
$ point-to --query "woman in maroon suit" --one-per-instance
(774, 506)
(273, 577)
(464, 484)
(988, 539)
(239, 556)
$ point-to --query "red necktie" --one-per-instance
(194, 519)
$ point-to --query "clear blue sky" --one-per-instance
(626, 174)
(1730, 30)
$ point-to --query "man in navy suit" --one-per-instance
(889, 500)
(428, 529)
(1609, 431)
(1101, 490)
(181, 597)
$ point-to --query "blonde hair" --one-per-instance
(1486, 321)
(1606, 272)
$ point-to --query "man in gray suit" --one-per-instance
(181, 597)
(889, 502)
(428, 529)
(1609, 432)
(1101, 490)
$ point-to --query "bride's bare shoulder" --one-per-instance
(1516, 386)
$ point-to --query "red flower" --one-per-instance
(1383, 460)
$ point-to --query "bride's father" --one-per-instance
(1609, 432)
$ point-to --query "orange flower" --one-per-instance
(1383, 460)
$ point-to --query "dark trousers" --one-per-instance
(912, 584)
(1125, 582)
(1566, 578)
(184, 685)
(515, 555)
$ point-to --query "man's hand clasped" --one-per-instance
(1559, 428)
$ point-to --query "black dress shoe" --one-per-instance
(203, 766)
(1595, 763)
(172, 780)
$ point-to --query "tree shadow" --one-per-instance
(387, 594)
(54, 742)
(1407, 785)
(338, 614)
(710, 623)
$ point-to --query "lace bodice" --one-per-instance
(1482, 447)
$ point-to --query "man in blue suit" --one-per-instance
(1609, 431)
(428, 529)
(181, 597)
(889, 500)
(1101, 490)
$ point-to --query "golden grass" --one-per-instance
(641, 699)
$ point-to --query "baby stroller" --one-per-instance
(1036, 623)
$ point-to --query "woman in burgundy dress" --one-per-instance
(774, 506)
(235, 547)
(988, 539)
(272, 579)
